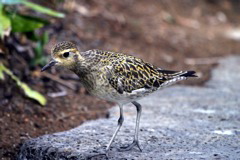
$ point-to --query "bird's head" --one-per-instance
(65, 54)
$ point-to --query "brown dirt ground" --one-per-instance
(177, 35)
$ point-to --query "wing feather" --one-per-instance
(129, 73)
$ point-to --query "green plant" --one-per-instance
(27, 90)
(13, 21)
(38, 50)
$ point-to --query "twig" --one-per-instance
(60, 81)
(57, 94)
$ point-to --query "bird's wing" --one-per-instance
(128, 73)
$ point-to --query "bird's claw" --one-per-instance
(129, 147)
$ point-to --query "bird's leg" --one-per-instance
(120, 122)
(135, 141)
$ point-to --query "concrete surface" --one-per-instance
(179, 122)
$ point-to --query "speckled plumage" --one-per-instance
(115, 77)
(121, 78)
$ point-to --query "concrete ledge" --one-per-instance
(178, 122)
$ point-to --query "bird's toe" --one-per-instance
(129, 147)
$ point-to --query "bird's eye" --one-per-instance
(66, 54)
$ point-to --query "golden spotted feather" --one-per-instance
(128, 73)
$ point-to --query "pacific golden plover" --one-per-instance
(115, 77)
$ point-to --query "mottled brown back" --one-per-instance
(128, 73)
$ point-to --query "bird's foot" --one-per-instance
(129, 147)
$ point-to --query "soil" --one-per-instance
(177, 35)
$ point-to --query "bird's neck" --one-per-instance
(86, 63)
(85, 75)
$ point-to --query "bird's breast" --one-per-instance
(98, 85)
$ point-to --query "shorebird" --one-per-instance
(115, 77)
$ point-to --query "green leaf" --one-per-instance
(27, 90)
(43, 9)
(31, 93)
(5, 25)
(11, 2)
(22, 23)
(45, 38)
(39, 57)
(1, 72)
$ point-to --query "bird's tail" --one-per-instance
(189, 74)
(171, 77)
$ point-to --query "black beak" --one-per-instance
(49, 65)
